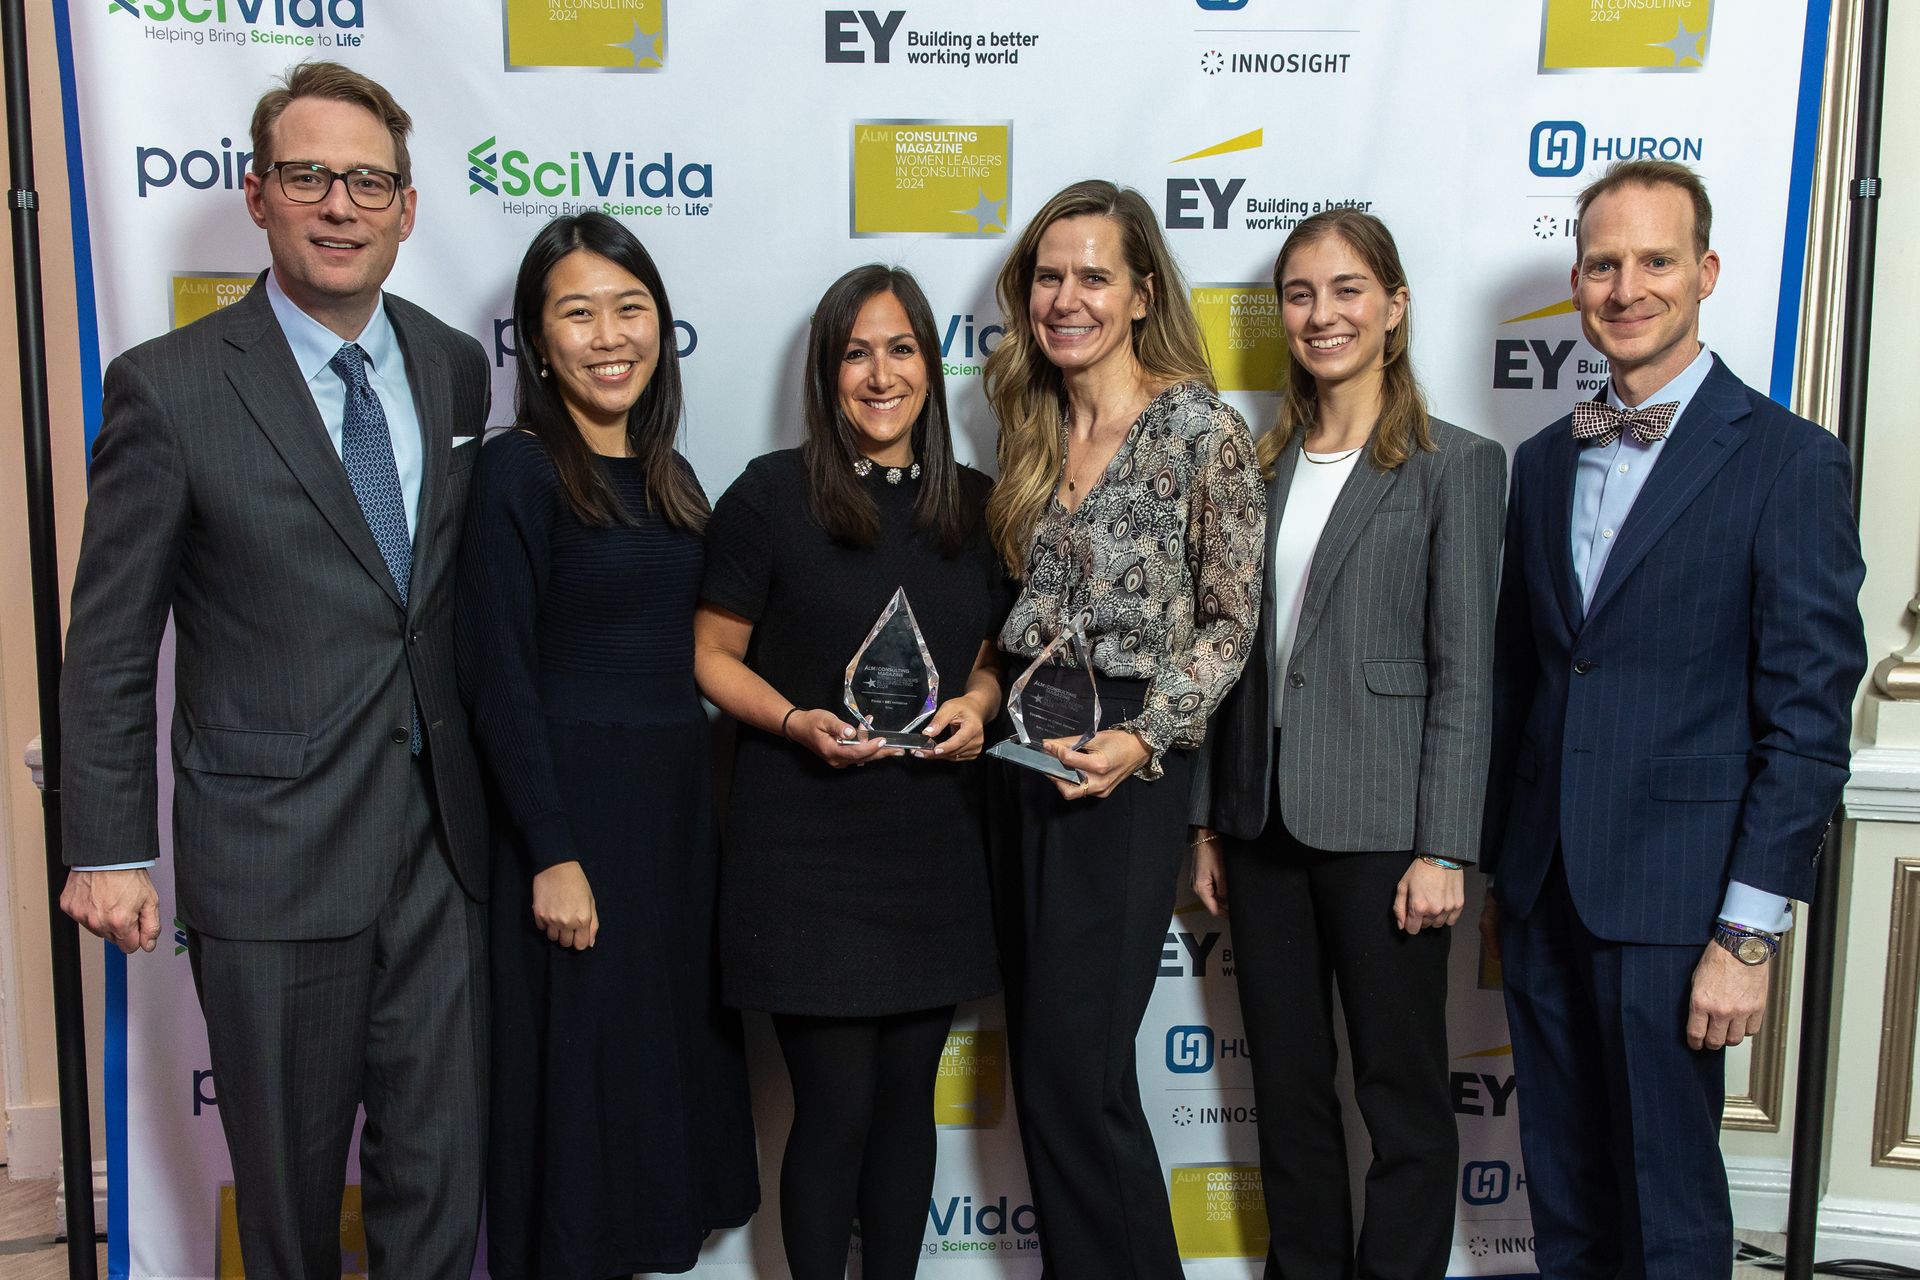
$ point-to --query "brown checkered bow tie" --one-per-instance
(1597, 422)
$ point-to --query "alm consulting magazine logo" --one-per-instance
(1219, 1210)
(201, 293)
(970, 1091)
(1245, 339)
(948, 178)
(1624, 35)
(585, 35)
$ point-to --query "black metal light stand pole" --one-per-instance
(76, 1132)
(1823, 916)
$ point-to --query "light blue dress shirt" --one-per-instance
(1606, 480)
(314, 346)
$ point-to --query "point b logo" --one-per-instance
(1189, 1050)
(1558, 149)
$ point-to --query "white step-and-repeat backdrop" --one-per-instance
(759, 150)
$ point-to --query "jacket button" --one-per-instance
(1296, 680)
(413, 637)
(400, 736)
(1581, 667)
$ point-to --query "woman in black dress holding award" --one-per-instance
(621, 1130)
(853, 880)
(1130, 506)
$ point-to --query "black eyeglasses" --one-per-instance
(304, 182)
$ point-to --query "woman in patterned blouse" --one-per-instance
(1130, 505)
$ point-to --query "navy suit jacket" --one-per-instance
(1692, 725)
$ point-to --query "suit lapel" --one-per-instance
(263, 373)
(1702, 441)
(1563, 459)
(433, 404)
(1359, 497)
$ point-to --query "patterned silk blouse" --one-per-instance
(1161, 564)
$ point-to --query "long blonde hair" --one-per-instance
(1403, 409)
(1026, 390)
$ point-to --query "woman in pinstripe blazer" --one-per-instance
(1341, 795)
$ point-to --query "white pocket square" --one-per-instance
(460, 440)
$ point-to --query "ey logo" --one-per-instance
(1190, 1050)
(844, 28)
(1586, 35)
(1186, 196)
(1557, 149)
(608, 35)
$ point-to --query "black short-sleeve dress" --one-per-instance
(853, 892)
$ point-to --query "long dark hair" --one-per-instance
(840, 502)
(654, 419)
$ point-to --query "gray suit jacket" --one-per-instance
(1387, 708)
(217, 496)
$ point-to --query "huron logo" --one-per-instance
(584, 173)
(306, 14)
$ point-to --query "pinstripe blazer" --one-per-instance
(1384, 740)
(216, 495)
(1691, 726)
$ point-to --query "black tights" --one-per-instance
(862, 1141)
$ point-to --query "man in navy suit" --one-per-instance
(1677, 652)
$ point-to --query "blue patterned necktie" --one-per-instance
(366, 447)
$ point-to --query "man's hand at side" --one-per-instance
(1729, 999)
(120, 906)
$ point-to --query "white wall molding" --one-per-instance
(1883, 1230)
(33, 1142)
(1759, 1186)
(1885, 786)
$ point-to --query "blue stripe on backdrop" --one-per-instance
(119, 1255)
(1793, 257)
(85, 303)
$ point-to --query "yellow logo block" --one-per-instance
(201, 293)
(931, 177)
(1648, 35)
(971, 1091)
(353, 1237)
(601, 35)
(1245, 341)
(1218, 1210)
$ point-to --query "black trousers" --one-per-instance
(1305, 920)
(303, 1032)
(1083, 893)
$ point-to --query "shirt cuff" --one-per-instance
(1756, 909)
(142, 865)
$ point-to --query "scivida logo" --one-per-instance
(601, 174)
(309, 15)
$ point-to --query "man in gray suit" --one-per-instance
(281, 477)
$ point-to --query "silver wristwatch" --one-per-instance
(1749, 946)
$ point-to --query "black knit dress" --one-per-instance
(621, 1129)
(853, 892)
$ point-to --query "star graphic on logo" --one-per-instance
(984, 214)
(1685, 45)
(1545, 227)
(644, 48)
(1213, 62)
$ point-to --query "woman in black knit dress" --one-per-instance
(621, 1132)
(853, 902)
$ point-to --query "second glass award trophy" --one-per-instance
(892, 685)
(1064, 705)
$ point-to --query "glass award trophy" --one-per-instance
(892, 685)
(1066, 707)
